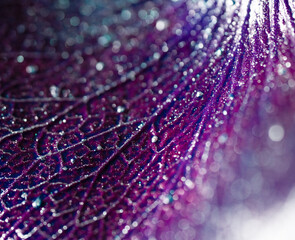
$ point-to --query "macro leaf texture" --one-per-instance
(140, 119)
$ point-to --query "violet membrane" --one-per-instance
(144, 119)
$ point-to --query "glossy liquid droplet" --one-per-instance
(154, 139)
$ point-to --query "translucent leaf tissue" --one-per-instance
(134, 119)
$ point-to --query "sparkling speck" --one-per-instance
(288, 64)
(120, 109)
(37, 202)
(199, 94)
(75, 21)
(276, 133)
(161, 24)
(31, 69)
(99, 66)
(54, 91)
(104, 40)
(154, 139)
(156, 55)
(99, 147)
(222, 138)
(126, 14)
(189, 184)
(20, 59)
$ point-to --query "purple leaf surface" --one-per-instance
(143, 119)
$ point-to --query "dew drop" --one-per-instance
(104, 40)
(288, 64)
(31, 69)
(126, 14)
(199, 94)
(266, 89)
(161, 24)
(126, 229)
(165, 48)
(218, 52)
(222, 138)
(189, 184)
(134, 224)
(154, 139)
(54, 91)
(99, 66)
(99, 147)
(120, 109)
(37, 202)
(65, 55)
(75, 21)
(156, 55)
(276, 133)
(24, 195)
(20, 59)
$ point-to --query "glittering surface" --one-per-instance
(144, 119)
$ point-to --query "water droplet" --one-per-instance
(156, 55)
(104, 40)
(134, 224)
(266, 89)
(63, 4)
(20, 59)
(99, 66)
(99, 147)
(65, 55)
(37, 202)
(281, 70)
(222, 138)
(126, 14)
(154, 139)
(75, 21)
(161, 24)
(31, 69)
(189, 184)
(218, 52)
(178, 32)
(165, 48)
(199, 94)
(54, 91)
(276, 133)
(24, 195)
(120, 109)
(126, 229)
